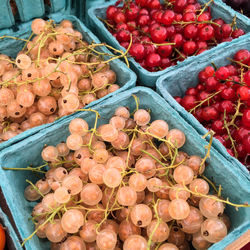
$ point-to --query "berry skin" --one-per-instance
(168, 17)
(159, 34)
(247, 78)
(143, 20)
(119, 17)
(189, 47)
(153, 60)
(222, 73)
(137, 50)
(111, 10)
(243, 92)
(190, 31)
(210, 113)
(242, 56)
(246, 118)
(165, 50)
(206, 33)
(188, 102)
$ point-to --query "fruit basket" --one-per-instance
(145, 77)
(177, 82)
(125, 77)
(29, 151)
(14, 13)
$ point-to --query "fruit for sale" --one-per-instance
(125, 185)
(220, 102)
(56, 73)
(158, 35)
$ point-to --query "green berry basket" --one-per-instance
(126, 78)
(234, 181)
(145, 77)
(177, 82)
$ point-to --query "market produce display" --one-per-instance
(159, 35)
(221, 103)
(130, 172)
(54, 75)
(125, 185)
(242, 6)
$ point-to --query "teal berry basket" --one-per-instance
(175, 83)
(235, 185)
(9, 231)
(145, 77)
(29, 9)
(126, 78)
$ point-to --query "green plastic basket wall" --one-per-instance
(145, 77)
(235, 182)
(177, 82)
(126, 78)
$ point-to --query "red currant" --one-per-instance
(137, 50)
(159, 34)
(153, 60)
(189, 47)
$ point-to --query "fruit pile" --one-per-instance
(159, 35)
(125, 185)
(221, 102)
(55, 74)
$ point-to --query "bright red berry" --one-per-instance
(190, 31)
(206, 33)
(119, 17)
(189, 47)
(222, 73)
(246, 118)
(137, 51)
(165, 50)
(242, 56)
(153, 60)
(243, 92)
(228, 94)
(226, 30)
(123, 36)
(143, 20)
(168, 17)
(159, 34)
(111, 10)
(177, 39)
(247, 78)
(191, 91)
(237, 33)
(188, 102)
(209, 113)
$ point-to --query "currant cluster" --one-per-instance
(163, 34)
(55, 74)
(125, 185)
(221, 102)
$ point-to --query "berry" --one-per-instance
(188, 102)
(137, 50)
(242, 56)
(159, 34)
(222, 73)
(168, 17)
(189, 47)
(209, 113)
(153, 60)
